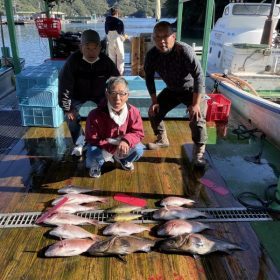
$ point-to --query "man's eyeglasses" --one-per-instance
(115, 93)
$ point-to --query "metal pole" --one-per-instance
(179, 20)
(50, 39)
(267, 30)
(206, 35)
(158, 10)
(12, 34)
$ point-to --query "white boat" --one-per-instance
(244, 70)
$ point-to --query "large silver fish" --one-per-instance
(124, 228)
(74, 189)
(176, 212)
(179, 227)
(125, 208)
(80, 198)
(74, 207)
(72, 231)
(196, 244)
(121, 245)
(70, 219)
(69, 247)
(176, 201)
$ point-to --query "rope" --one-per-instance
(265, 204)
(235, 81)
(243, 133)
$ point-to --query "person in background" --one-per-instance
(114, 130)
(178, 66)
(83, 78)
(114, 28)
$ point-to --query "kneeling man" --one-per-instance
(114, 130)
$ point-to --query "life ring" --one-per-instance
(235, 81)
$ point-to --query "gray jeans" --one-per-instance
(167, 101)
(74, 125)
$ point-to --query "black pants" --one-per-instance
(167, 101)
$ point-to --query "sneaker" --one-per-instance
(95, 171)
(126, 165)
(77, 151)
(161, 142)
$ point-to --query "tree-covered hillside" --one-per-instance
(137, 8)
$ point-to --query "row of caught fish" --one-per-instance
(169, 228)
(166, 213)
(168, 201)
(194, 243)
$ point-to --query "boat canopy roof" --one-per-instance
(250, 9)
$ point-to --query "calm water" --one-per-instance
(36, 49)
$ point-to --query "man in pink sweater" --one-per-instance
(114, 130)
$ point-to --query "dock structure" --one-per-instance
(36, 163)
(81, 19)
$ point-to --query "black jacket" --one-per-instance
(83, 81)
(114, 24)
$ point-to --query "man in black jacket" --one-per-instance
(83, 78)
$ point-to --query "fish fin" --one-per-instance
(184, 239)
(196, 256)
(121, 258)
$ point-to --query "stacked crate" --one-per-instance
(140, 97)
(37, 92)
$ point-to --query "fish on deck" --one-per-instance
(179, 227)
(196, 244)
(121, 245)
(63, 218)
(75, 207)
(177, 212)
(176, 201)
(125, 208)
(124, 228)
(74, 189)
(80, 198)
(69, 247)
(72, 232)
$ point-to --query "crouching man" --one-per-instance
(114, 130)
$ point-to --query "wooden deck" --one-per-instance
(40, 164)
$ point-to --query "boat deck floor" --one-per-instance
(39, 163)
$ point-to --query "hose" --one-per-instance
(235, 81)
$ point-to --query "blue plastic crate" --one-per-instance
(58, 63)
(39, 77)
(41, 116)
(136, 84)
(133, 78)
(37, 96)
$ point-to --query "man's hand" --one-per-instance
(154, 109)
(194, 112)
(122, 149)
(71, 115)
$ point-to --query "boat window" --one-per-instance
(210, 50)
(219, 54)
(226, 11)
(251, 10)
